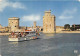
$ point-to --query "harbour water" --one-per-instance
(48, 45)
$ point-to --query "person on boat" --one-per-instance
(12, 33)
(20, 34)
(24, 34)
(37, 33)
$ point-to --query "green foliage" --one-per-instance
(66, 26)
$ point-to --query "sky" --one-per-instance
(66, 11)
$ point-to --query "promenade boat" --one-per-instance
(20, 36)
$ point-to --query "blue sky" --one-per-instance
(66, 11)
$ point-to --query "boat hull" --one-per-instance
(16, 39)
(30, 38)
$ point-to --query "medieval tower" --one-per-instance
(13, 23)
(34, 24)
(48, 22)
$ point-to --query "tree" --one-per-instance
(66, 26)
(75, 27)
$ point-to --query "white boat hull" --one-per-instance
(16, 39)
(25, 38)
(30, 38)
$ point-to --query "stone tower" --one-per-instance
(34, 24)
(13, 23)
(0, 26)
(48, 22)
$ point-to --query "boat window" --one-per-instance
(29, 33)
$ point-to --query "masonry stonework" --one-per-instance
(13, 23)
(34, 24)
(48, 22)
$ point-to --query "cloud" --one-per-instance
(6, 3)
(31, 18)
(65, 17)
(79, 0)
(68, 14)
(17, 5)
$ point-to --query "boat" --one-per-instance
(24, 35)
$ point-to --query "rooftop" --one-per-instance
(14, 18)
(48, 11)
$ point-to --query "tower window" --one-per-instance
(50, 25)
(15, 26)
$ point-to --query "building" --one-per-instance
(13, 23)
(59, 29)
(0, 26)
(34, 24)
(49, 22)
(22, 28)
(35, 27)
(4, 29)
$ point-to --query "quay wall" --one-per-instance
(68, 32)
(1, 34)
(4, 34)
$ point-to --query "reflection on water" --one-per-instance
(14, 43)
(75, 51)
(47, 45)
(47, 34)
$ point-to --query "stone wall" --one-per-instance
(48, 23)
(13, 23)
